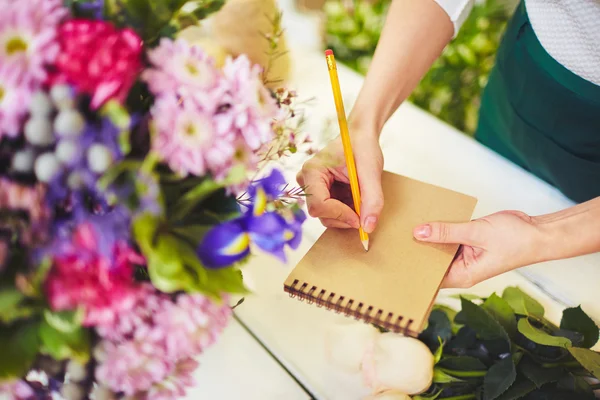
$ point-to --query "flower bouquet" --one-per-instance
(494, 348)
(132, 188)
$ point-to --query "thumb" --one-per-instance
(439, 232)
(369, 176)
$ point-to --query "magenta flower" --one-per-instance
(186, 138)
(28, 33)
(14, 100)
(180, 68)
(98, 59)
(94, 275)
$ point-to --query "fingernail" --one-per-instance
(423, 232)
(369, 225)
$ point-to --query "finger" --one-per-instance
(438, 232)
(300, 178)
(321, 205)
(334, 223)
(369, 170)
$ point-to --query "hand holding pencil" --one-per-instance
(327, 176)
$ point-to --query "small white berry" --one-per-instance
(69, 123)
(72, 391)
(66, 151)
(75, 181)
(46, 167)
(23, 161)
(76, 371)
(40, 105)
(62, 96)
(99, 158)
(38, 131)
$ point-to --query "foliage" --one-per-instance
(451, 89)
(505, 349)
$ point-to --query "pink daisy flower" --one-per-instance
(253, 110)
(28, 31)
(186, 138)
(14, 100)
(180, 68)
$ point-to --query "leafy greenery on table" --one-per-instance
(452, 88)
(503, 348)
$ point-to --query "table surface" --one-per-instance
(276, 350)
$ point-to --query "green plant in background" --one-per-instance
(451, 90)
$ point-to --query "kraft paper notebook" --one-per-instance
(395, 283)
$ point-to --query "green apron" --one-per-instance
(542, 116)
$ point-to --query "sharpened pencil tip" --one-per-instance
(365, 244)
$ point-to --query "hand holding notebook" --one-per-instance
(395, 283)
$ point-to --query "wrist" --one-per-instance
(365, 123)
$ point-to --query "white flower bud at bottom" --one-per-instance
(99, 158)
(388, 395)
(72, 391)
(66, 151)
(76, 371)
(400, 363)
(62, 96)
(40, 105)
(38, 131)
(347, 342)
(69, 123)
(23, 161)
(46, 167)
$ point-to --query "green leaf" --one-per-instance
(144, 229)
(502, 312)
(588, 359)
(19, 345)
(194, 197)
(538, 374)
(165, 267)
(450, 313)
(499, 378)
(60, 345)
(576, 384)
(9, 298)
(439, 327)
(207, 7)
(437, 356)
(522, 303)
(540, 337)
(64, 321)
(468, 296)
(462, 363)
(575, 319)
(518, 390)
(482, 322)
(229, 280)
(191, 233)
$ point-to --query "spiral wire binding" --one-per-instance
(303, 291)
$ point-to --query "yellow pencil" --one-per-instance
(352, 176)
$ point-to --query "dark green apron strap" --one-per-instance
(540, 115)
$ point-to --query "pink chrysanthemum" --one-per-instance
(186, 138)
(17, 390)
(252, 109)
(180, 68)
(28, 32)
(14, 100)
(149, 351)
(82, 276)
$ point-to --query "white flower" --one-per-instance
(347, 342)
(398, 362)
(388, 395)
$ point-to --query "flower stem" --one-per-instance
(464, 374)
(561, 364)
(461, 397)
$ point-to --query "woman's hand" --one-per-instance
(490, 246)
(327, 187)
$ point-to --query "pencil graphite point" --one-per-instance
(365, 244)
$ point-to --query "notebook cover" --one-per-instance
(395, 283)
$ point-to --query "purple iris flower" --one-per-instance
(272, 185)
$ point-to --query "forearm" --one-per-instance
(414, 36)
(571, 232)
